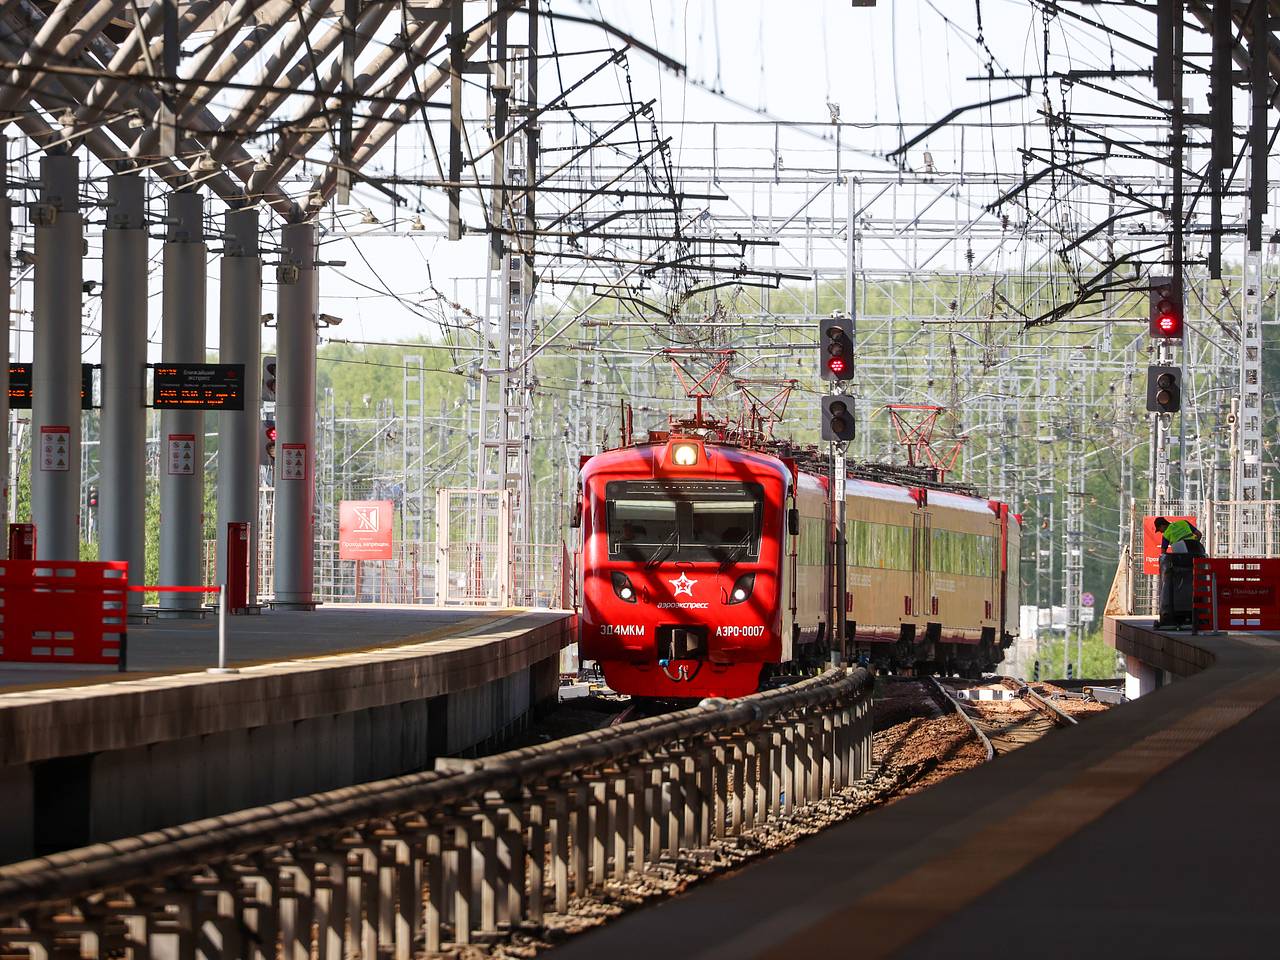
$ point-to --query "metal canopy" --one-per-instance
(330, 80)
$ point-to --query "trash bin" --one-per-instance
(1175, 589)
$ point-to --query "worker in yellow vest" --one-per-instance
(1180, 536)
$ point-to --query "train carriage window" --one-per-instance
(879, 546)
(813, 542)
(688, 520)
(962, 554)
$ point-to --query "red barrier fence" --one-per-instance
(63, 612)
(1236, 594)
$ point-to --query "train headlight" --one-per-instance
(742, 588)
(622, 587)
(684, 454)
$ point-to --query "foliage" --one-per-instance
(1100, 661)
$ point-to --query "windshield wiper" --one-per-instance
(663, 549)
(740, 545)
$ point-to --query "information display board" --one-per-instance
(20, 392)
(198, 386)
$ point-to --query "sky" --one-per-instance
(887, 69)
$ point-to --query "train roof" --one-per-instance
(728, 461)
(721, 461)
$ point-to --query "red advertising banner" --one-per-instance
(1151, 541)
(364, 530)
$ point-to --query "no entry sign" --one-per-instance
(364, 530)
(1151, 541)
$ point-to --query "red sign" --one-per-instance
(364, 530)
(1151, 542)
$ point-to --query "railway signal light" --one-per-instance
(1164, 389)
(93, 498)
(268, 441)
(837, 418)
(269, 378)
(1165, 309)
(835, 348)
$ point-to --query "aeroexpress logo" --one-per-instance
(683, 585)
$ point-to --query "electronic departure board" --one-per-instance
(20, 386)
(198, 386)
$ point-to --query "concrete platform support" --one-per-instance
(123, 454)
(130, 791)
(297, 304)
(6, 278)
(240, 432)
(55, 383)
(182, 431)
(1139, 677)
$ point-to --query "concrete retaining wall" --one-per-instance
(1137, 637)
(85, 764)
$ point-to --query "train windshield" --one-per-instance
(660, 521)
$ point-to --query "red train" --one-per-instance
(707, 566)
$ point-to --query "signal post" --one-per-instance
(835, 346)
(1165, 325)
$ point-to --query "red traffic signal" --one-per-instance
(835, 348)
(267, 453)
(1165, 309)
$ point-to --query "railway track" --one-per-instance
(1005, 713)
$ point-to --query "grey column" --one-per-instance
(182, 431)
(240, 341)
(297, 301)
(6, 278)
(123, 451)
(55, 382)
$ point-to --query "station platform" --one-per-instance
(1149, 830)
(320, 700)
(173, 646)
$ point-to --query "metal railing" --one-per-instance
(411, 575)
(463, 852)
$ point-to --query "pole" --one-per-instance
(123, 451)
(6, 278)
(240, 432)
(55, 381)
(222, 633)
(296, 306)
(182, 431)
(838, 641)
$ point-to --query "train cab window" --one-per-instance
(688, 520)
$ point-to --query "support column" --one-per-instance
(123, 450)
(297, 301)
(182, 431)
(55, 382)
(240, 433)
(6, 279)
(1139, 677)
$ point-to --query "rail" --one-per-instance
(1046, 706)
(973, 724)
(443, 857)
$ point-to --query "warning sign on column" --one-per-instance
(55, 448)
(293, 463)
(182, 454)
